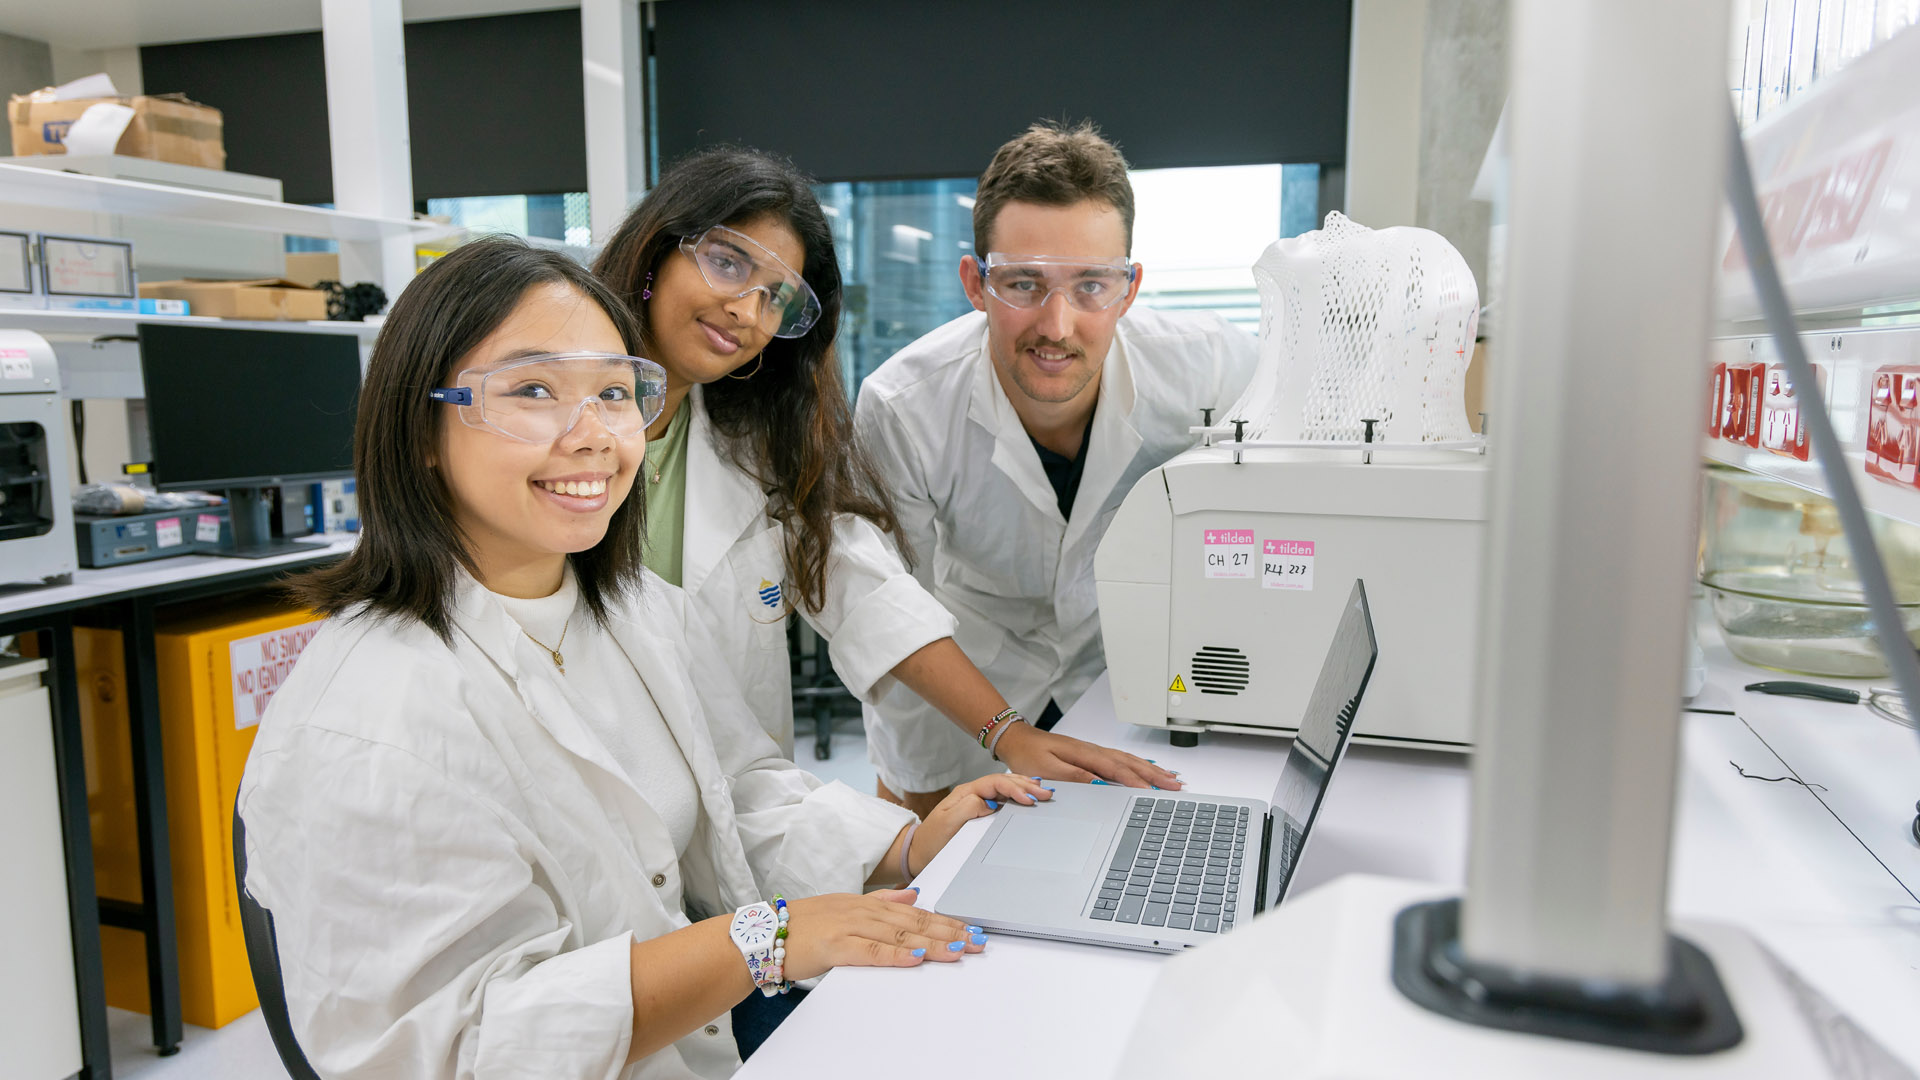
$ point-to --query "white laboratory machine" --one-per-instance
(1349, 456)
(36, 510)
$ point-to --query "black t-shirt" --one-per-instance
(1064, 472)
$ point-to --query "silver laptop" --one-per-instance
(1165, 871)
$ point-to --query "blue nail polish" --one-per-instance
(975, 930)
(1054, 790)
(915, 888)
(956, 946)
(1155, 787)
(979, 939)
(918, 953)
(991, 805)
(1036, 779)
(1102, 783)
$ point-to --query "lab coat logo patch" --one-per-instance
(769, 593)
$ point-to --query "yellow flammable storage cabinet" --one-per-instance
(218, 669)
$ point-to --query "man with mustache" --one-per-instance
(1010, 436)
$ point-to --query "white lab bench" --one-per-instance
(1790, 863)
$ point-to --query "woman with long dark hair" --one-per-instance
(760, 501)
(509, 816)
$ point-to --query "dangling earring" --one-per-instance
(750, 374)
(647, 292)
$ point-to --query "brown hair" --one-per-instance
(788, 425)
(410, 544)
(1051, 164)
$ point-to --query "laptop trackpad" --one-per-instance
(1057, 845)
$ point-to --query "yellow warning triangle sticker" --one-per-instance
(1178, 686)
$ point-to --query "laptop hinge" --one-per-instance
(1266, 845)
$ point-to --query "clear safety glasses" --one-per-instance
(1027, 281)
(733, 264)
(540, 398)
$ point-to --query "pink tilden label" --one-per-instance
(1229, 553)
(1286, 564)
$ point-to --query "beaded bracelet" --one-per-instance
(777, 982)
(993, 747)
(906, 851)
(995, 722)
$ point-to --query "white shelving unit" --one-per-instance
(1838, 177)
(100, 194)
(97, 323)
(1848, 361)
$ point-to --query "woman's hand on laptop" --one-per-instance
(879, 929)
(967, 801)
(1027, 749)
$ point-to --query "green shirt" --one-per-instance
(665, 477)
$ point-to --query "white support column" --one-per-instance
(1617, 127)
(615, 73)
(1383, 112)
(367, 123)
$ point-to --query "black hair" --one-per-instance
(788, 424)
(410, 542)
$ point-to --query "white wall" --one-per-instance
(122, 64)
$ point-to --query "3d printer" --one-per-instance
(1349, 456)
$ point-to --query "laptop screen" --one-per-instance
(1322, 738)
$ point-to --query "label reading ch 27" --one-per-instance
(1229, 553)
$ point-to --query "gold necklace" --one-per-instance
(558, 660)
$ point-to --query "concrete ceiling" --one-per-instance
(111, 24)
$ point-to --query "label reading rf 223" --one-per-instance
(1229, 553)
(1286, 564)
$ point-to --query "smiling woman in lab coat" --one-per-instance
(760, 503)
(504, 810)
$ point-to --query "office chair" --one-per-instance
(263, 956)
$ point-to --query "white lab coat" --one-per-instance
(985, 524)
(733, 567)
(457, 866)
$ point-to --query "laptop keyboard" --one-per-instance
(1178, 865)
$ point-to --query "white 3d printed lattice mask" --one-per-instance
(1362, 324)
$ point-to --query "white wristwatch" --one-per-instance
(753, 932)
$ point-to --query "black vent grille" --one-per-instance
(1218, 669)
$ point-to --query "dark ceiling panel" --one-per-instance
(868, 89)
(495, 105)
(498, 105)
(272, 92)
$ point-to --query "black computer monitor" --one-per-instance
(243, 410)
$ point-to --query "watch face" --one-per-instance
(754, 927)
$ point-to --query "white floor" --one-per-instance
(848, 764)
(240, 1051)
(243, 1050)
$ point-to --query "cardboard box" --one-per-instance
(309, 268)
(166, 127)
(265, 299)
